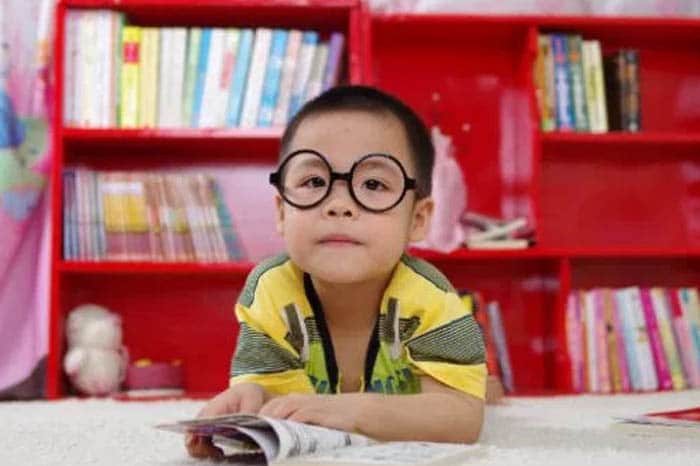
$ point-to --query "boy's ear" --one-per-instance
(279, 214)
(420, 223)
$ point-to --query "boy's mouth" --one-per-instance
(339, 240)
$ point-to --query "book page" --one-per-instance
(392, 454)
(297, 439)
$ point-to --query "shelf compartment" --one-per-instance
(186, 317)
(233, 269)
(643, 201)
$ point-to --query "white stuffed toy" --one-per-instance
(96, 360)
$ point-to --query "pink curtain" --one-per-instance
(25, 160)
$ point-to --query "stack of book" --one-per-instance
(128, 76)
(580, 90)
(140, 216)
(634, 339)
(486, 232)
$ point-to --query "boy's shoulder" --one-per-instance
(278, 269)
(416, 268)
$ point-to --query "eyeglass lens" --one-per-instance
(377, 181)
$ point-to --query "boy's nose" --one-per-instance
(339, 202)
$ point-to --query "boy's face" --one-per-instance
(338, 241)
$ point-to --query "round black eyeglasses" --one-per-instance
(377, 182)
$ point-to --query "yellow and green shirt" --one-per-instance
(423, 328)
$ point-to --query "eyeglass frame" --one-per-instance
(275, 179)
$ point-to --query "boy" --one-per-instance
(345, 318)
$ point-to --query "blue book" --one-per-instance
(240, 77)
(271, 85)
(201, 76)
(68, 206)
(303, 69)
(629, 337)
(562, 83)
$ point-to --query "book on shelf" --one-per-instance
(144, 216)
(677, 423)
(133, 76)
(632, 339)
(577, 89)
(253, 439)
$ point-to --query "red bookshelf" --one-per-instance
(613, 209)
(173, 311)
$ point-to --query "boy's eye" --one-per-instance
(314, 182)
(375, 185)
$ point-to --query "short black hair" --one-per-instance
(370, 99)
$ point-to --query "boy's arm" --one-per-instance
(438, 414)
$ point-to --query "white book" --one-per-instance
(87, 69)
(643, 346)
(105, 66)
(497, 244)
(302, 71)
(165, 119)
(318, 67)
(256, 77)
(69, 62)
(178, 74)
(291, 58)
(172, 74)
(222, 55)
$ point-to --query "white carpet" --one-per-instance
(558, 431)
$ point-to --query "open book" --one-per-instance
(681, 423)
(252, 439)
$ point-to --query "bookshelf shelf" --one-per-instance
(555, 140)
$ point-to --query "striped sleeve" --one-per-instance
(452, 352)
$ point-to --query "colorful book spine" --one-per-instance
(592, 356)
(628, 329)
(576, 80)
(632, 96)
(650, 379)
(601, 341)
(148, 86)
(616, 90)
(313, 86)
(256, 77)
(595, 87)
(690, 302)
(68, 207)
(684, 338)
(285, 93)
(657, 350)
(194, 37)
(331, 74)
(626, 384)
(273, 74)
(564, 105)
(303, 70)
(663, 320)
(574, 341)
(202, 62)
(131, 39)
(239, 78)
(212, 95)
(494, 315)
(608, 305)
(544, 83)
